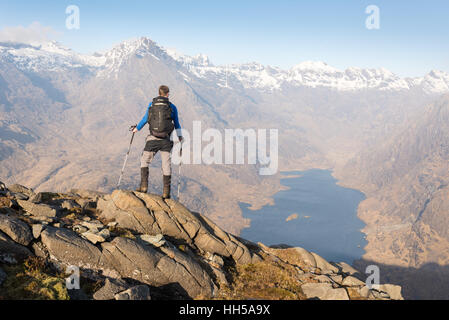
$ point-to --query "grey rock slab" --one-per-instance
(110, 289)
(128, 211)
(88, 194)
(151, 266)
(20, 196)
(351, 281)
(16, 229)
(141, 292)
(346, 268)
(69, 205)
(364, 292)
(323, 279)
(67, 247)
(323, 291)
(79, 228)
(393, 291)
(306, 256)
(323, 264)
(157, 240)
(12, 252)
(93, 226)
(93, 237)
(39, 250)
(105, 233)
(40, 210)
(337, 278)
(17, 188)
(37, 230)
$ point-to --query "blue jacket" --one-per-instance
(174, 115)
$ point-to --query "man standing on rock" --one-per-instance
(162, 117)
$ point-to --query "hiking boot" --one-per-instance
(144, 172)
(167, 185)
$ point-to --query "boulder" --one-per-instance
(307, 257)
(351, 281)
(365, 292)
(39, 250)
(21, 196)
(42, 197)
(323, 291)
(16, 229)
(110, 289)
(156, 268)
(79, 229)
(128, 211)
(37, 230)
(212, 238)
(141, 292)
(93, 226)
(157, 240)
(346, 268)
(39, 210)
(325, 266)
(323, 279)
(93, 237)
(337, 278)
(12, 252)
(17, 188)
(88, 194)
(69, 205)
(393, 291)
(5, 202)
(67, 247)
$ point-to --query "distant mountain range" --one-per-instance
(52, 56)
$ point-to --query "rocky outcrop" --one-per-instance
(138, 245)
(141, 292)
(148, 265)
(67, 247)
(16, 229)
(10, 251)
(150, 214)
(320, 279)
(39, 210)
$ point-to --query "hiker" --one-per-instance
(162, 117)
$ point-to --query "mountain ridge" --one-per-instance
(249, 75)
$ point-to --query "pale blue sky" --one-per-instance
(413, 37)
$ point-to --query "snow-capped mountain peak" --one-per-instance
(46, 56)
(314, 66)
(53, 57)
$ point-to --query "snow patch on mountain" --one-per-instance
(52, 56)
(49, 56)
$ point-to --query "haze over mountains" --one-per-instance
(406, 179)
(64, 124)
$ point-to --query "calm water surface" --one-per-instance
(326, 222)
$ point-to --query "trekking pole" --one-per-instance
(126, 158)
(179, 171)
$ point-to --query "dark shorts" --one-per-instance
(157, 145)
